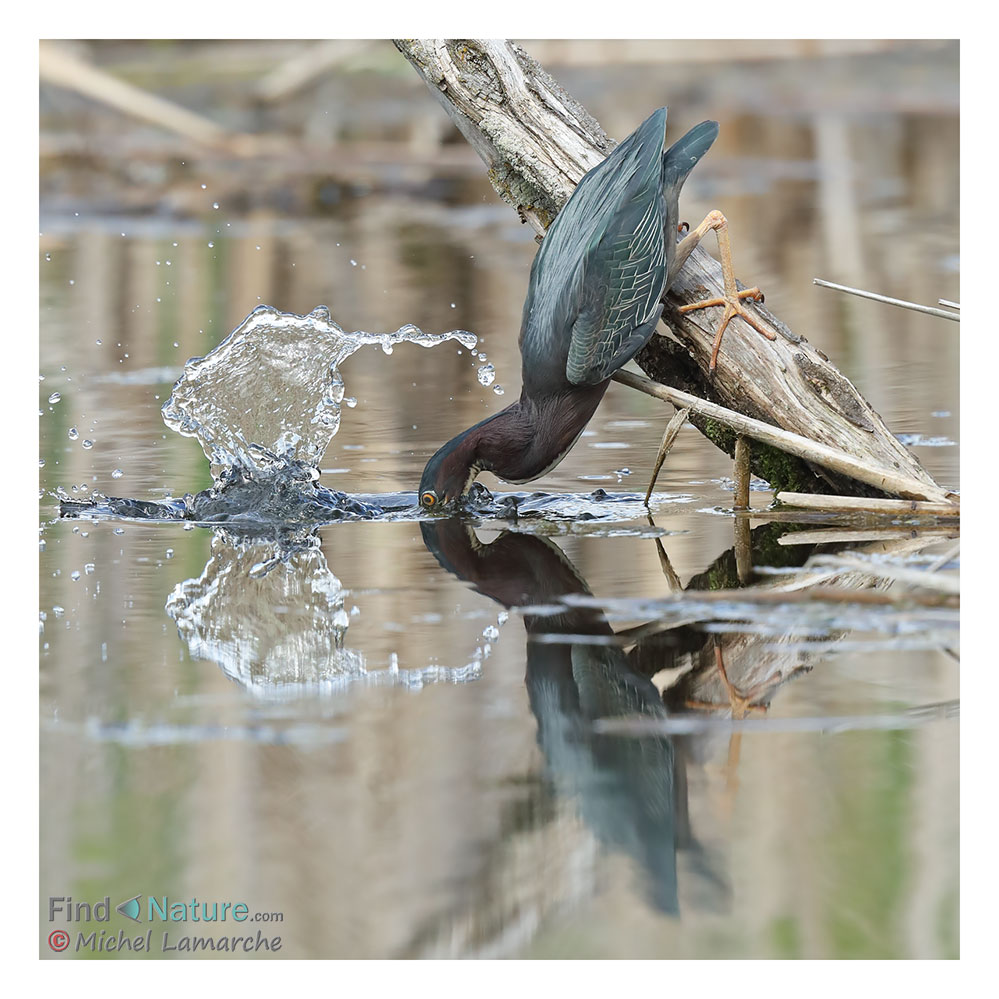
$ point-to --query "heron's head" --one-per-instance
(450, 472)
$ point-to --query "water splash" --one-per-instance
(270, 394)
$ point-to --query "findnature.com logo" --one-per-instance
(159, 910)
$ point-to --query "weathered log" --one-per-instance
(537, 142)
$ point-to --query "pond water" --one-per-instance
(390, 734)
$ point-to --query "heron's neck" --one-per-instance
(529, 438)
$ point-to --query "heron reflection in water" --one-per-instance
(631, 792)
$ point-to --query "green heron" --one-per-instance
(594, 299)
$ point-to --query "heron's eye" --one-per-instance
(428, 499)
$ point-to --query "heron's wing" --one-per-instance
(618, 290)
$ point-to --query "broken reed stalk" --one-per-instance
(911, 306)
(741, 473)
(854, 504)
(669, 437)
(801, 447)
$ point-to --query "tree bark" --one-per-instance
(537, 143)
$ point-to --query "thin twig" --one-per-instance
(844, 535)
(928, 309)
(951, 552)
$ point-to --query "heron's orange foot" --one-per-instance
(733, 307)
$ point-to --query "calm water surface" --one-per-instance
(366, 739)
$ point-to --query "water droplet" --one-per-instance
(74, 575)
(117, 473)
(88, 444)
(73, 434)
(89, 568)
(41, 462)
(215, 205)
(486, 374)
(169, 553)
(99, 342)
(119, 530)
(54, 398)
(498, 389)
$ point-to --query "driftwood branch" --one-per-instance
(537, 142)
(830, 458)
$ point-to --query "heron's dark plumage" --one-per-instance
(594, 299)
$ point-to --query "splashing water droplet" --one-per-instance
(73, 434)
(498, 389)
(54, 398)
(117, 473)
(88, 445)
(270, 393)
(486, 374)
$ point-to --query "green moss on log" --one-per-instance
(783, 471)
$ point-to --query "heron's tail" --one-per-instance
(683, 155)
